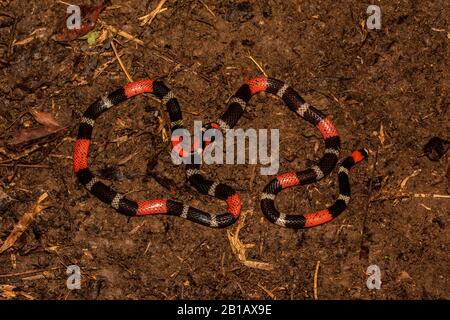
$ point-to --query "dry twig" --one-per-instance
(257, 64)
(316, 275)
(24, 222)
(239, 249)
(149, 17)
(121, 62)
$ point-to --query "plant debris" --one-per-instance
(25, 136)
(11, 292)
(24, 223)
(89, 17)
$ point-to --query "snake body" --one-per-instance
(147, 207)
(235, 109)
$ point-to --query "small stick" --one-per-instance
(390, 195)
(121, 33)
(207, 8)
(425, 195)
(24, 165)
(316, 273)
(222, 261)
(269, 293)
(191, 112)
(364, 226)
(24, 154)
(18, 274)
(11, 41)
(63, 2)
(17, 119)
(257, 64)
(149, 17)
(120, 62)
(24, 222)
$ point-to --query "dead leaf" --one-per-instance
(30, 134)
(403, 276)
(49, 127)
(9, 292)
(24, 222)
(44, 118)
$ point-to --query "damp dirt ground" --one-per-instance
(386, 90)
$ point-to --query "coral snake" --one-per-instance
(235, 109)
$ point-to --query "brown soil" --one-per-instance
(386, 90)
